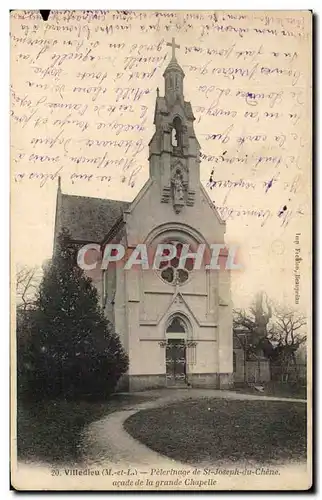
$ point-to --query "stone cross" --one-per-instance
(174, 47)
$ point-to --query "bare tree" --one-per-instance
(27, 280)
(277, 330)
(289, 333)
(256, 321)
(289, 327)
(252, 328)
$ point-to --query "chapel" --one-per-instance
(175, 324)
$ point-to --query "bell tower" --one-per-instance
(174, 150)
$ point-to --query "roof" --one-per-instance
(188, 110)
(161, 107)
(89, 219)
(173, 66)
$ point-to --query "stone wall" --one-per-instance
(143, 382)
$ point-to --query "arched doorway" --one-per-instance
(176, 335)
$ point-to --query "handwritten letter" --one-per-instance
(83, 89)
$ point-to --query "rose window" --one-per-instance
(170, 271)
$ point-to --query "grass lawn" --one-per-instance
(50, 431)
(218, 431)
(275, 389)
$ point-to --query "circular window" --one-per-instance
(169, 270)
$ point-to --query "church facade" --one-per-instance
(175, 324)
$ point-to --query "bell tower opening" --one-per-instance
(176, 137)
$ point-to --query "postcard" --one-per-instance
(161, 250)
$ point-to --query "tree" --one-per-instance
(27, 281)
(275, 330)
(252, 329)
(255, 324)
(289, 333)
(74, 351)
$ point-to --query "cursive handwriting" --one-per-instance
(84, 88)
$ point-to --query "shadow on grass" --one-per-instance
(50, 431)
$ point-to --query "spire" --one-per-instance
(173, 76)
(173, 65)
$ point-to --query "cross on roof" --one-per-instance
(174, 47)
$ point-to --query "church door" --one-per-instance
(176, 362)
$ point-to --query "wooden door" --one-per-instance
(176, 362)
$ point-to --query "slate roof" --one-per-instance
(89, 219)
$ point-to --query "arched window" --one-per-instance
(176, 326)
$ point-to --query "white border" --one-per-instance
(315, 5)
